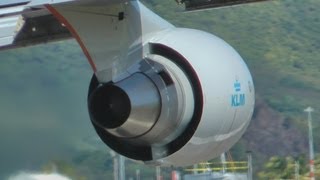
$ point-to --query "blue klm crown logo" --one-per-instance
(238, 99)
(237, 86)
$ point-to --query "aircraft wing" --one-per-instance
(28, 22)
(95, 24)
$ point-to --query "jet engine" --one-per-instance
(188, 100)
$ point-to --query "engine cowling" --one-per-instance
(189, 100)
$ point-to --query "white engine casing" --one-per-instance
(220, 69)
(211, 92)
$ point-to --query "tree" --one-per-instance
(278, 168)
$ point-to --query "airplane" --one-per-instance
(159, 94)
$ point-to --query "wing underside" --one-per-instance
(27, 22)
(33, 30)
(191, 5)
(11, 3)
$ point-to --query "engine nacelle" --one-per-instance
(189, 100)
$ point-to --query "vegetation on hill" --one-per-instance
(288, 168)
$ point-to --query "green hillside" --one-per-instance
(43, 88)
